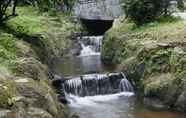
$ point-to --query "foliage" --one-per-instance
(8, 91)
(54, 32)
(143, 11)
(69, 3)
(47, 5)
(4, 4)
(181, 4)
(153, 55)
(116, 46)
(7, 49)
(50, 5)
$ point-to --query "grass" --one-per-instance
(125, 39)
(7, 49)
(54, 30)
(169, 28)
(30, 21)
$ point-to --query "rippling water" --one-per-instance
(121, 105)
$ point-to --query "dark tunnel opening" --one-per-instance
(97, 27)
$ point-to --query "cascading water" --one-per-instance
(97, 84)
(93, 95)
(97, 92)
(90, 45)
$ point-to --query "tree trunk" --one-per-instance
(14, 8)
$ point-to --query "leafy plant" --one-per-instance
(4, 4)
(143, 11)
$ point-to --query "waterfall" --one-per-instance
(97, 84)
(125, 85)
(91, 45)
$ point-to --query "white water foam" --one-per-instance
(93, 48)
(88, 51)
(76, 101)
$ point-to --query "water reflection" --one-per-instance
(72, 66)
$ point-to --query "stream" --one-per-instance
(95, 90)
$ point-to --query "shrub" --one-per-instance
(49, 5)
(143, 11)
(181, 5)
(4, 4)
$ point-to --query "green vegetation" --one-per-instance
(53, 32)
(26, 40)
(4, 4)
(50, 5)
(7, 50)
(162, 30)
(160, 47)
(8, 91)
(145, 11)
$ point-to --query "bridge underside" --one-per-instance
(97, 27)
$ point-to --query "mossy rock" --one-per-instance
(8, 89)
(152, 55)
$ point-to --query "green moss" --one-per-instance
(7, 49)
(23, 40)
(159, 46)
(53, 31)
(30, 21)
(8, 91)
(51, 34)
(125, 40)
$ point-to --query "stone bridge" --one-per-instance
(97, 15)
(98, 9)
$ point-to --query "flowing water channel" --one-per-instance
(95, 90)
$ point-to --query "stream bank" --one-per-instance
(153, 56)
(29, 43)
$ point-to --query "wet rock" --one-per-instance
(31, 68)
(4, 113)
(58, 82)
(181, 102)
(179, 50)
(28, 98)
(155, 104)
(76, 48)
(75, 116)
(38, 113)
(63, 100)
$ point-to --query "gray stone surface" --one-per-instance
(98, 9)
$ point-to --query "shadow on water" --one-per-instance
(71, 66)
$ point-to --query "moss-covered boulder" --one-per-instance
(153, 55)
(25, 91)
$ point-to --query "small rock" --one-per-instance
(163, 45)
(17, 98)
(36, 112)
(179, 50)
(57, 77)
(63, 100)
(75, 116)
(21, 81)
(57, 82)
(154, 104)
(4, 113)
